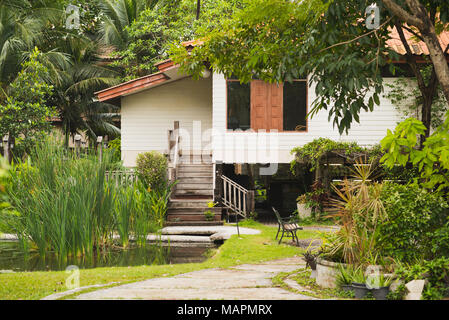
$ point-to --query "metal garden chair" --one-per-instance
(288, 226)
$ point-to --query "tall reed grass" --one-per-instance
(63, 203)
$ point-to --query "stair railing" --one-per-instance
(174, 151)
(235, 197)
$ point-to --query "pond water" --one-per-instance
(13, 258)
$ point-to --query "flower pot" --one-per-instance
(347, 287)
(313, 274)
(327, 272)
(303, 212)
(380, 293)
(360, 290)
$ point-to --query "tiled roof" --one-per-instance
(417, 46)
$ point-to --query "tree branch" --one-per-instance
(356, 38)
(403, 14)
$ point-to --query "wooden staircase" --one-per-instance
(193, 192)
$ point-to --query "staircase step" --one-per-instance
(200, 174)
(183, 180)
(194, 186)
(194, 192)
(195, 168)
(192, 223)
(181, 203)
(191, 217)
(190, 211)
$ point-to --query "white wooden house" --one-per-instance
(222, 121)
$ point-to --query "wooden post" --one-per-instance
(77, 144)
(6, 147)
(100, 147)
(251, 201)
(218, 192)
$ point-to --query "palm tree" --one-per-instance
(18, 33)
(75, 85)
(118, 15)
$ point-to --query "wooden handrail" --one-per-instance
(235, 197)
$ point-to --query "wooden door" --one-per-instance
(266, 106)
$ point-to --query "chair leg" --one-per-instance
(296, 238)
(281, 236)
(277, 234)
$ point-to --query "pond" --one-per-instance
(13, 258)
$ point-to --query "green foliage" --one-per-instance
(116, 146)
(64, 203)
(313, 152)
(4, 174)
(279, 41)
(209, 214)
(152, 169)
(25, 112)
(416, 224)
(156, 28)
(432, 160)
(410, 103)
(359, 211)
(436, 272)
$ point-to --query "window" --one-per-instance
(239, 102)
(264, 106)
(295, 106)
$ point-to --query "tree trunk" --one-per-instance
(198, 9)
(418, 16)
(438, 59)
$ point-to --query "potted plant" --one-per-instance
(382, 288)
(304, 211)
(310, 262)
(209, 214)
(359, 283)
(344, 278)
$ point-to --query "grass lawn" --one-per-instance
(247, 249)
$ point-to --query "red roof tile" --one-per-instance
(417, 46)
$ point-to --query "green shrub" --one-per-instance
(436, 272)
(63, 203)
(415, 221)
(116, 146)
(152, 169)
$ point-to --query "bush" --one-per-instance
(152, 169)
(436, 272)
(414, 225)
(116, 146)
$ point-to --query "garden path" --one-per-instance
(242, 282)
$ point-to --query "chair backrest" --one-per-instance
(278, 216)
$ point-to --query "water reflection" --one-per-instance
(12, 258)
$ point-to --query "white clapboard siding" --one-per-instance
(147, 116)
(240, 147)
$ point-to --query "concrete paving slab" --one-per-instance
(244, 282)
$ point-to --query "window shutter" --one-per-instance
(266, 106)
